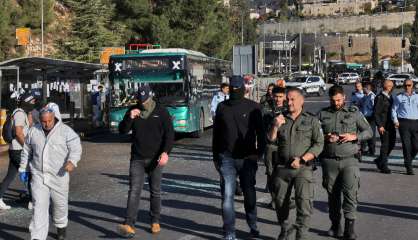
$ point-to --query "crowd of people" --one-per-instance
(278, 130)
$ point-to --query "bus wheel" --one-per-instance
(199, 132)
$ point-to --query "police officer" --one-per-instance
(269, 113)
(405, 117)
(299, 138)
(385, 126)
(357, 95)
(367, 108)
(343, 127)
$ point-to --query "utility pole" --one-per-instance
(264, 48)
(42, 28)
(242, 28)
(285, 51)
(402, 36)
(300, 51)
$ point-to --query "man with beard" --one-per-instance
(343, 127)
(152, 141)
(299, 139)
(238, 142)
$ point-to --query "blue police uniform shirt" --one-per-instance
(356, 97)
(367, 104)
(218, 98)
(405, 106)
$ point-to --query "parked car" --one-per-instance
(399, 78)
(310, 84)
(348, 77)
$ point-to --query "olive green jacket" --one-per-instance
(299, 136)
(345, 120)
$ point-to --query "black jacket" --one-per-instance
(238, 129)
(151, 136)
(382, 110)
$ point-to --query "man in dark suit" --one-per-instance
(385, 126)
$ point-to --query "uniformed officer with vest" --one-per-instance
(278, 106)
(299, 139)
(343, 127)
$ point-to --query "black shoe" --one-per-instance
(238, 190)
(349, 233)
(410, 171)
(284, 233)
(254, 233)
(61, 233)
(336, 230)
(378, 165)
(385, 170)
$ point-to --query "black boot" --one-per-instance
(349, 233)
(284, 233)
(336, 230)
(61, 233)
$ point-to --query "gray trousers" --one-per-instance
(341, 179)
(284, 179)
(41, 196)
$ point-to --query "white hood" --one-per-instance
(55, 108)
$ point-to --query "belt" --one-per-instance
(407, 119)
(341, 158)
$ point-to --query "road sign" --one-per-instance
(23, 36)
(244, 60)
(108, 51)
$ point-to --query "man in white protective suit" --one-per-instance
(51, 151)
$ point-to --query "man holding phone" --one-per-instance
(343, 127)
(152, 141)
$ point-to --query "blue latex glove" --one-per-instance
(24, 176)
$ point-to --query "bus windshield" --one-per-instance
(165, 75)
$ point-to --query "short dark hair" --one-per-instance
(277, 89)
(270, 85)
(336, 89)
(295, 89)
(224, 85)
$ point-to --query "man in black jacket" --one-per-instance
(382, 114)
(152, 141)
(238, 142)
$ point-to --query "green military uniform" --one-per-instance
(341, 174)
(294, 139)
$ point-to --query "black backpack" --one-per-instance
(8, 132)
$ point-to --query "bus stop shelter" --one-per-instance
(67, 83)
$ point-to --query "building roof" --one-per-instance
(53, 67)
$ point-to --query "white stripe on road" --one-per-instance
(264, 199)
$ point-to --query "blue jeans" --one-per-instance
(246, 170)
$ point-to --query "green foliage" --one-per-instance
(31, 13)
(414, 41)
(91, 30)
(6, 28)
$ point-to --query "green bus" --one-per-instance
(183, 81)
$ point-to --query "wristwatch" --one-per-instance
(302, 161)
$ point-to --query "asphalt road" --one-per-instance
(388, 204)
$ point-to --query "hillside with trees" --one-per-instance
(79, 29)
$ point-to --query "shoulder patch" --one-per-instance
(353, 109)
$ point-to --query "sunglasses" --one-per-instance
(408, 85)
(47, 110)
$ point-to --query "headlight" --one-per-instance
(113, 124)
(181, 122)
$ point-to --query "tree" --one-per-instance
(91, 30)
(375, 53)
(414, 41)
(342, 53)
(31, 13)
(7, 40)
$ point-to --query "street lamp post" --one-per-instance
(402, 35)
(42, 28)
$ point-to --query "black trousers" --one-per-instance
(371, 143)
(137, 171)
(388, 140)
(14, 162)
(408, 129)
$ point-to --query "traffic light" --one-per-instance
(403, 42)
(350, 41)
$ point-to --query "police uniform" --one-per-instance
(341, 174)
(405, 112)
(294, 139)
